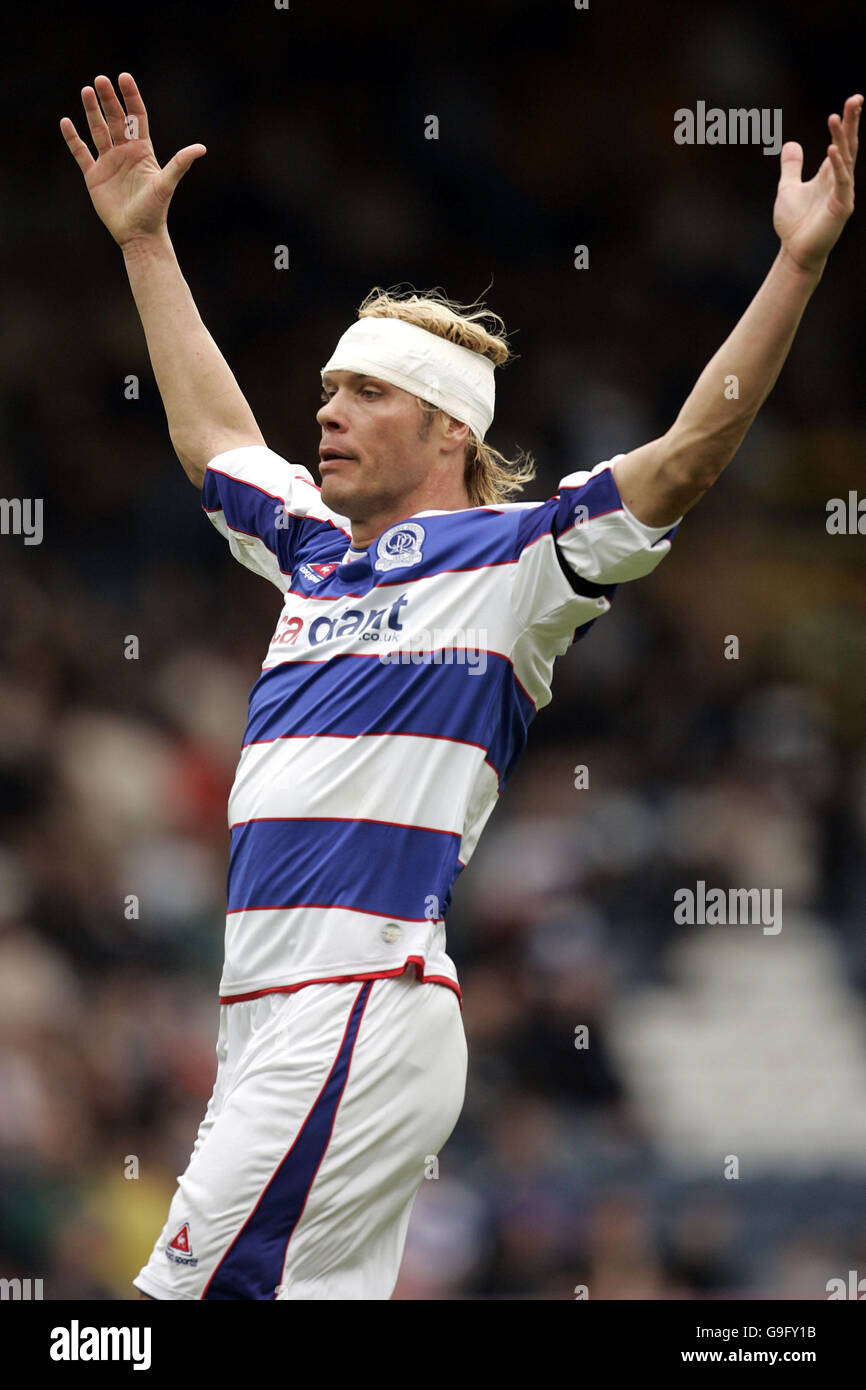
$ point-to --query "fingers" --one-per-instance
(841, 172)
(80, 153)
(842, 153)
(114, 112)
(840, 141)
(853, 107)
(96, 121)
(844, 131)
(178, 165)
(119, 125)
(134, 103)
(791, 156)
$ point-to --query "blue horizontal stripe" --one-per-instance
(255, 512)
(351, 695)
(599, 496)
(463, 540)
(456, 541)
(360, 865)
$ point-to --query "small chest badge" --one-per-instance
(316, 573)
(400, 546)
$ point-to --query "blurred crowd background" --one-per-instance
(710, 1142)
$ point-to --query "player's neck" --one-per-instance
(368, 530)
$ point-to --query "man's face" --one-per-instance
(374, 431)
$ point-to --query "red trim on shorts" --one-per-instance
(417, 961)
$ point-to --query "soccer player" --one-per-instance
(422, 615)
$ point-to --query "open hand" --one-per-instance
(809, 217)
(129, 191)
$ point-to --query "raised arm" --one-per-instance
(661, 480)
(204, 406)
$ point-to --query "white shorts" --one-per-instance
(328, 1107)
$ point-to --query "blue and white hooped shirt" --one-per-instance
(392, 706)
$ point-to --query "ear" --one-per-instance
(455, 432)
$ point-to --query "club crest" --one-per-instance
(400, 546)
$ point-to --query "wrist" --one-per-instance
(144, 245)
(808, 272)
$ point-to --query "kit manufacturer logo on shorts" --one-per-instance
(400, 546)
(179, 1248)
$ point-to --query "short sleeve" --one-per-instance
(265, 507)
(576, 548)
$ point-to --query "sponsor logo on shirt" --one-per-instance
(371, 625)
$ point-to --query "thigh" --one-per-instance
(402, 1100)
(329, 1104)
(276, 1054)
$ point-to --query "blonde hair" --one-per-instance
(489, 477)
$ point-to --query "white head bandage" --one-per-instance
(454, 378)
